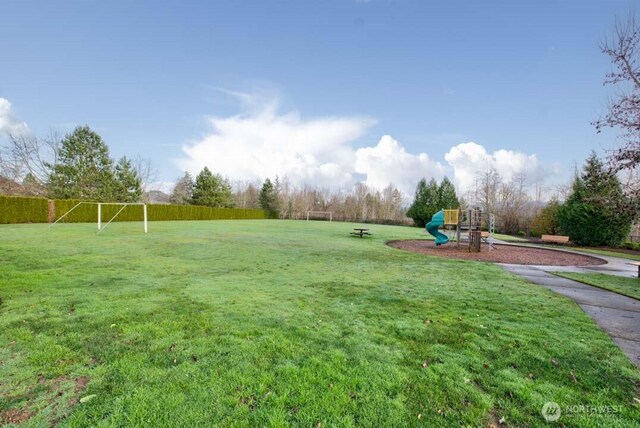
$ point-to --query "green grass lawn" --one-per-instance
(284, 323)
(601, 252)
(627, 286)
(510, 238)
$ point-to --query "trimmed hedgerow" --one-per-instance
(18, 209)
(88, 213)
(35, 210)
(193, 212)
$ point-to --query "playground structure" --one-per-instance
(472, 224)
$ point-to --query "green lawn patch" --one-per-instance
(619, 254)
(627, 286)
(510, 238)
(286, 323)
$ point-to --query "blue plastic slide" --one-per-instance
(432, 227)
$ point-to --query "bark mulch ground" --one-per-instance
(500, 254)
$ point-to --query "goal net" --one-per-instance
(320, 215)
(120, 206)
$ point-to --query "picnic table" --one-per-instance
(358, 231)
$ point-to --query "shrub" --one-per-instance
(631, 246)
(17, 209)
(88, 213)
(546, 222)
(14, 209)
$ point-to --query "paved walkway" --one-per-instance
(614, 266)
(616, 314)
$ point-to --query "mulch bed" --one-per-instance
(501, 254)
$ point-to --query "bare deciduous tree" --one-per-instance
(26, 154)
(246, 193)
(623, 48)
(145, 170)
(489, 183)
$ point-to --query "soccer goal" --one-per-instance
(319, 215)
(122, 206)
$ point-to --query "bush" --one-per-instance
(17, 209)
(546, 222)
(88, 213)
(193, 212)
(631, 246)
(36, 210)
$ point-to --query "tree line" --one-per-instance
(77, 166)
(361, 203)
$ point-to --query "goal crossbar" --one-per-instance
(100, 204)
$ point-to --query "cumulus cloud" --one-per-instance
(9, 124)
(468, 159)
(266, 143)
(321, 152)
(389, 162)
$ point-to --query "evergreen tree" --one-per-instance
(425, 203)
(127, 184)
(268, 196)
(447, 197)
(84, 169)
(182, 193)
(596, 212)
(212, 190)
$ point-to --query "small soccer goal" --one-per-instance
(320, 215)
(122, 206)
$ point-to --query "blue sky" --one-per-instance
(524, 77)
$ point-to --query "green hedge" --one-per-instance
(35, 210)
(193, 212)
(17, 209)
(88, 213)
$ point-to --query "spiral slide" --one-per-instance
(432, 227)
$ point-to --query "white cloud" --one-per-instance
(468, 159)
(320, 152)
(9, 124)
(265, 144)
(389, 162)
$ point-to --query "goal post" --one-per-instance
(317, 214)
(122, 206)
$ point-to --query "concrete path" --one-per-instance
(614, 266)
(616, 314)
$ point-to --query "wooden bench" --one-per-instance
(558, 239)
(360, 232)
